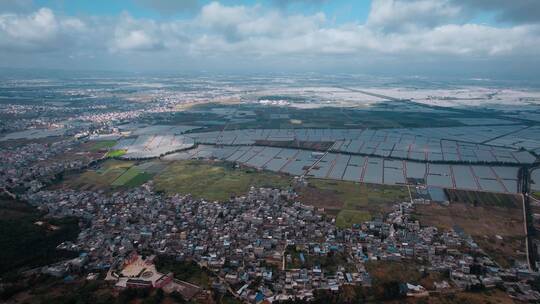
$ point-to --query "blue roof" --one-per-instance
(259, 297)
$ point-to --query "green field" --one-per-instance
(102, 145)
(352, 202)
(346, 218)
(133, 177)
(115, 153)
(187, 271)
(214, 180)
(112, 173)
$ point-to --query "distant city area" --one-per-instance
(215, 189)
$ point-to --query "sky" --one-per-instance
(462, 38)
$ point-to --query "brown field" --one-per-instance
(350, 202)
(493, 296)
(486, 223)
(480, 198)
(337, 195)
(312, 145)
(405, 272)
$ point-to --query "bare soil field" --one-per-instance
(498, 231)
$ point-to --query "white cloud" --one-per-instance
(405, 15)
(267, 34)
(136, 35)
(36, 30)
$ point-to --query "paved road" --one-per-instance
(524, 177)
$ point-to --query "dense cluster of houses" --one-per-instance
(267, 246)
(33, 165)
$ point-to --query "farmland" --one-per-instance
(108, 175)
(352, 202)
(115, 153)
(346, 167)
(102, 145)
(496, 225)
(214, 180)
(132, 177)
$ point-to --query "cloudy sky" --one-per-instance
(469, 38)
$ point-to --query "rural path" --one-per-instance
(524, 178)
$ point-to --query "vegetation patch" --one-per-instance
(215, 180)
(111, 173)
(480, 198)
(362, 201)
(29, 241)
(115, 153)
(347, 218)
(498, 230)
(102, 145)
(132, 177)
(187, 271)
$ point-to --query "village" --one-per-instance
(264, 245)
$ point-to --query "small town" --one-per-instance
(263, 246)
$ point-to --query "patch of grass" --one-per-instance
(101, 178)
(187, 271)
(115, 153)
(214, 180)
(483, 222)
(139, 179)
(111, 173)
(127, 176)
(102, 145)
(346, 218)
(111, 165)
(362, 201)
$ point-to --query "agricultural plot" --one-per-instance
(151, 146)
(457, 144)
(115, 153)
(161, 129)
(115, 173)
(351, 202)
(33, 134)
(494, 220)
(528, 138)
(376, 170)
(102, 145)
(133, 177)
(214, 181)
